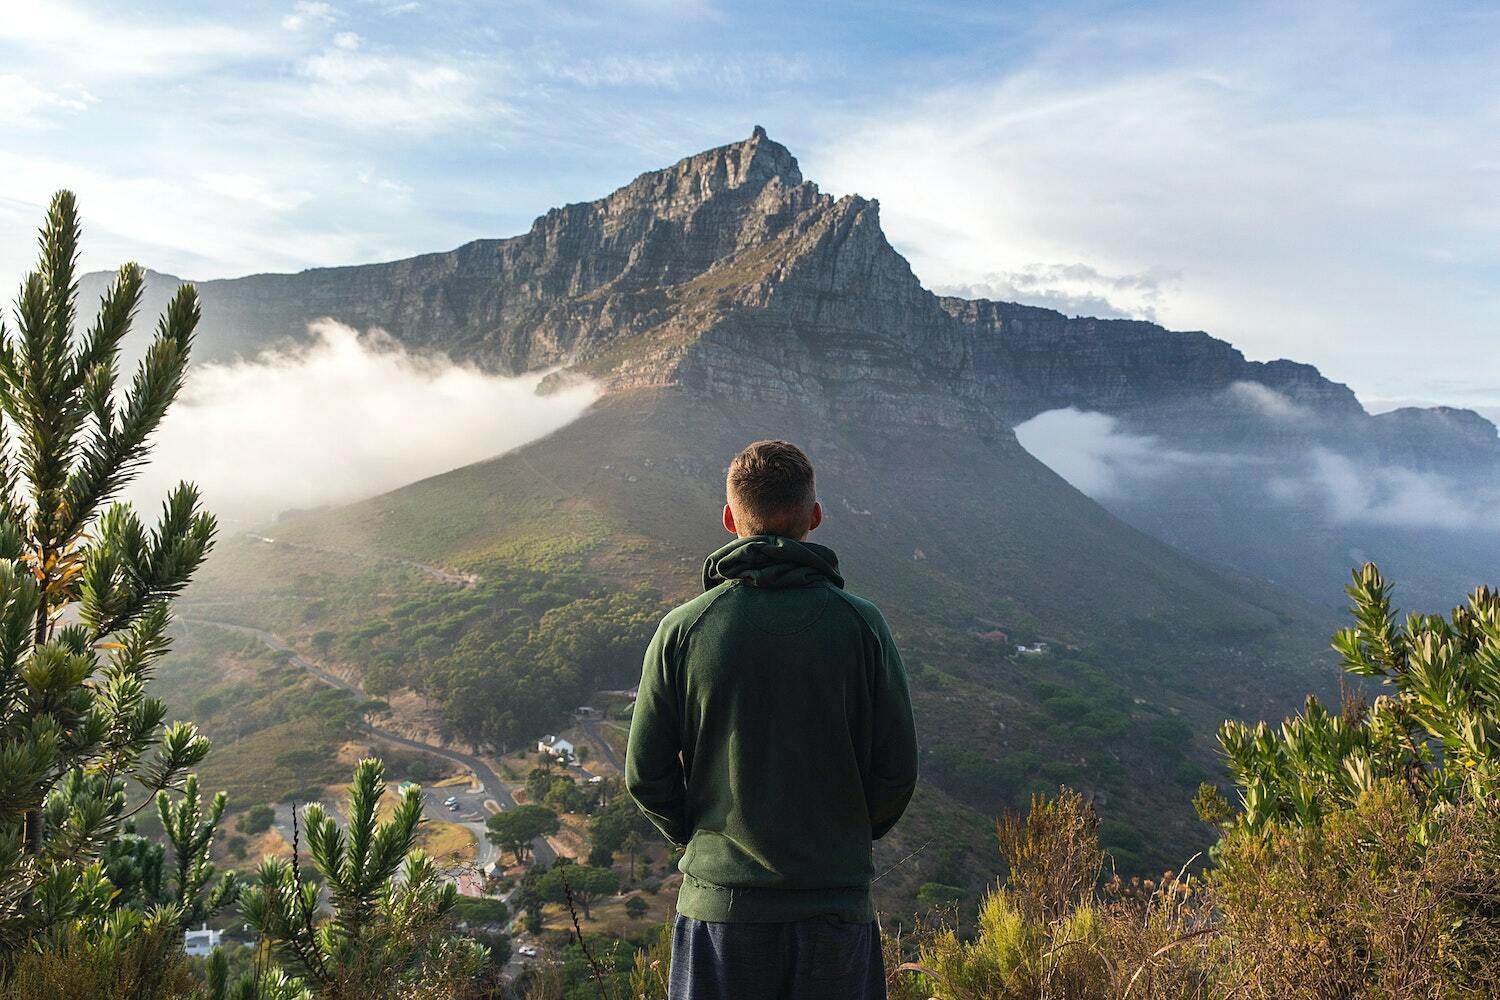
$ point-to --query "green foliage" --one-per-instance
(1436, 729)
(480, 910)
(387, 935)
(1358, 906)
(636, 907)
(651, 968)
(257, 819)
(1049, 933)
(85, 604)
(583, 883)
(559, 632)
(936, 894)
(131, 963)
(515, 829)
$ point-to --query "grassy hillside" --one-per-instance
(577, 542)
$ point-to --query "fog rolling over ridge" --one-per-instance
(1294, 502)
(338, 417)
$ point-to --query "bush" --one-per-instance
(936, 894)
(1360, 906)
(257, 819)
(480, 910)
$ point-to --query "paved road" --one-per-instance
(472, 812)
(592, 727)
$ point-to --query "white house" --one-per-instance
(556, 746)
(200, 942)
(1031, 650)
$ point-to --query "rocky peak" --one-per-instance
(747, 168)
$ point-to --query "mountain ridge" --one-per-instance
(730, 275)
(726, 202)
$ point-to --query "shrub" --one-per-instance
(1359, 905)
(255, 820)
(936, 894)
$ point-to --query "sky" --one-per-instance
(1316, 181)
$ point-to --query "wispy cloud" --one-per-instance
(1076, 289)
(1321, 179)
(21, 100)
(305, 14)
(1353, 492)
(1267, 402)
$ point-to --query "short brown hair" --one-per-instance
(770, 486)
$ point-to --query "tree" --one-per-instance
(85, 587)
(635, 907)
(388, 930)
(936, 894)
(539, 781)
(1436, 730)
(256, 819)
(584, 883)
(515, 829)
(633, 843)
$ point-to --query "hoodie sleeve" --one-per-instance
(893, 760)
(653, 758)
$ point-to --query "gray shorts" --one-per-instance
(819, 959)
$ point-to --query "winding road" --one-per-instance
(474, 814)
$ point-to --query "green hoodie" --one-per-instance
(773, 737)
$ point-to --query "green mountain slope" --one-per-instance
(959, 538)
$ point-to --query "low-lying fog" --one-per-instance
(1118, 467)
(345, 416)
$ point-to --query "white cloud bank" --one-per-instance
(1094, 454)
(1393, 496)
(341, 418)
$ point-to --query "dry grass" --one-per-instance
(447, 843)
(608, 916)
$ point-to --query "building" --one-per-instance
(1031, 650)
(556, 746)
(201, 942)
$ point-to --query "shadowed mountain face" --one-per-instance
(729, 277)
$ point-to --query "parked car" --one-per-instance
(450, 801)
(528, 950)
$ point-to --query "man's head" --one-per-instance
(770, 491)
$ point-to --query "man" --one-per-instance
(773, 739)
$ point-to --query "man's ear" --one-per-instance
(729, 521)
(817, 516)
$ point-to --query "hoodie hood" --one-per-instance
(772, 561)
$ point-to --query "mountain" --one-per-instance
(731, 277)
(1266, 466)
(718, 301)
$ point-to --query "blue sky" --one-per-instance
(1319, 181)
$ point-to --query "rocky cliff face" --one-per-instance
(730, 277)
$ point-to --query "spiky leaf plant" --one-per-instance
(387, 934)
(85, 591)
(1435, 729)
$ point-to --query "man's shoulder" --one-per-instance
(683, 617)
(867, 611)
